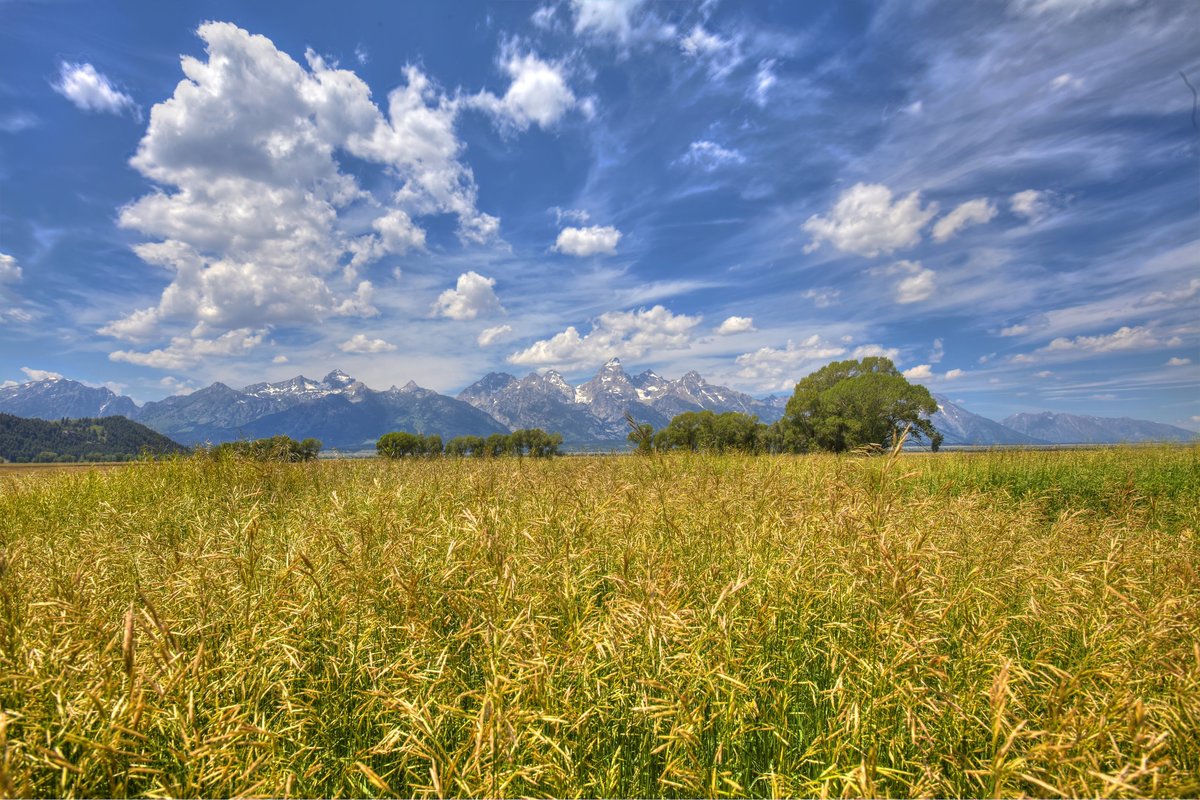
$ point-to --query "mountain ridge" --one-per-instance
(345, 413)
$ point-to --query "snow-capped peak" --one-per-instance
(337, 379)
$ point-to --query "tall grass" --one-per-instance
(962, 624)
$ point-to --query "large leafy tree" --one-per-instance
(847, 404)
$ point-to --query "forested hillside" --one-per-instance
(91, 439)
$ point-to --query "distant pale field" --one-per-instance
(985, 624)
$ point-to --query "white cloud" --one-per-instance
(19, 315)
(764, 79)
(708, 156)
(359, 303)
(1015, 330)
(921, 372)
(917, 285)
(972, 212)
(1032, 204)
(779, 368)
(1178, 362)
(472, 296)
(578, 215)
(735, 325)
(1046, 373)
(397, 234)
(186, 351)
(279, 359)
(359, 343)
(489, 336)
(879, 351)
(361, 54)
(41, 374)
(537, 95)
(629, 334)
(544, 17)
(722, 55)
(864, 220)
(10, 270)
(822, 297)
(255, 214)
(90, 90)
(939, 350)
(1174, 297)
(951, 374)
(605, 18)
(581, 242)
(1124, 338)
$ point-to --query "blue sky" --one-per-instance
(1001, 196)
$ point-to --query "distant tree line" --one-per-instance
(533, 442)
(842, 406)
(274, 448)
(25, 440)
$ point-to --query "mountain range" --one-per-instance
(346, 414)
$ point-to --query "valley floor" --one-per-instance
(1000, 623)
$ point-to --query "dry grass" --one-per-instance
(967, 624)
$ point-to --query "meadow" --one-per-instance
(983, 624)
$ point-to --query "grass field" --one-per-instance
(987, 624)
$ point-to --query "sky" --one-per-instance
(1002, 197)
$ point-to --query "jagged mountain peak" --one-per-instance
(337, 378)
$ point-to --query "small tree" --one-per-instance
(848, 404)
(398, 444)
(495, 445)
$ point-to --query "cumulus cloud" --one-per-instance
(359, 343)
(90, 90)
(921, 372)
(917, 284)
(10, 270)
(624, 334)
(472, 296)
(591, 241)
(778, 368)
(1031, 204)
(1124, 338)
(537, 95)
(972, 212)
(709, 156)
(1019, 329)
(735, 325)
(938, 351)
(279, 359)
(1181, 295)
(822, 297)
(252, 217)
(865, 221)
(489, 336)
(951, 374)
(1176, 361)
(41, 374)
(186, 351)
